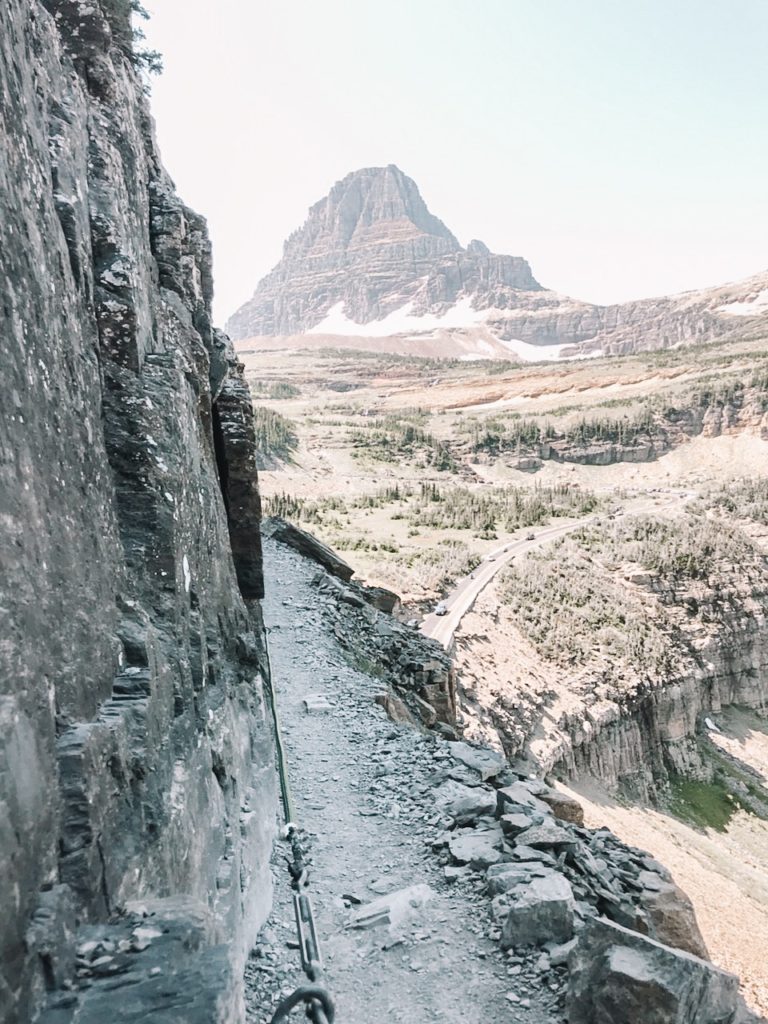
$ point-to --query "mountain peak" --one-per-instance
(365, 206)
(370, 247)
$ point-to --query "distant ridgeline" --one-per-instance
(373, 268)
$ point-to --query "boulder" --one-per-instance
(514, 824)
(464, 803)
(393, 910)
(505, 877)
(559, 955)
(307, 545)
(563, 806)
(487, 763)
(527, 854)
(478, 849)
(547, 835)
(381, 598)
(672, 917)
(540, 912)
(396, 709)
(621, 977)
(519, 795)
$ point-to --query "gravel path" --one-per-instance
(362, 788)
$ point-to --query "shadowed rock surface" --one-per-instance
(135, 757)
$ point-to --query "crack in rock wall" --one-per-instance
(135, 752)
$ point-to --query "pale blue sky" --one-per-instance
(621, 147)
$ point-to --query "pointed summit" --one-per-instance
(369, 248)
(360, 205)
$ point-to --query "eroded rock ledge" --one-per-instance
(135, 756)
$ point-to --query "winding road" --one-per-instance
(464, 595)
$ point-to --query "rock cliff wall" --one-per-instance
(637, 744)
(135, 756)
(636, 736)
(703, 413)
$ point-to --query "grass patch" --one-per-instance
(703, 804)
(712, 803)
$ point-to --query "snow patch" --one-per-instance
(752, 307)
(544, 353)
(403, 322)
(532, 353)
(400, 321)
(187, 573)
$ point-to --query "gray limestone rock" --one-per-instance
(559, 955)
(307, 545)
(539, 912)
(166, 959)
(393, 911)
(478, 849)
(547, 835)
(528, 853)
(514, 824)
(464, 803)
(620, 977)
(487, 763)
(135, 750)
(504, 877)
(520, 795)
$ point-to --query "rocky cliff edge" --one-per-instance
(136, 792)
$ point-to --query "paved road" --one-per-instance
(461, 599)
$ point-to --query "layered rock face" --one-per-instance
(633, 732)
(373, 246)
(371, 261)
(744, 410)
(636, 744)
(135, 755)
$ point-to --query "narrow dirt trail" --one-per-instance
(363, 791)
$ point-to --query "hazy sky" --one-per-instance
(621, 146)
